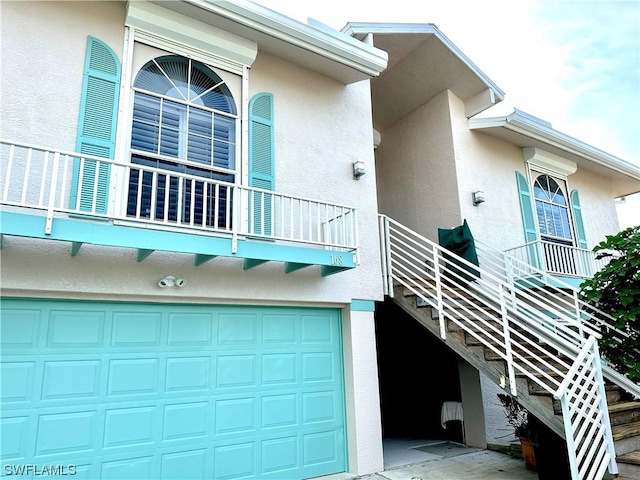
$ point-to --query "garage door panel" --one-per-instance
(191, 330)
(14, 432)
(76, 329)
(133, 329)
(188, 373)
(132, 376)
(19, 328)
(165, 391)
(16, 381)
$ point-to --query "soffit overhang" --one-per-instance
(423, 62)
(527, 131)
(317, 48)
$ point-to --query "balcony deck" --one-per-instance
(193, 215)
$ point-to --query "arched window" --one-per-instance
(552, 209)
(184, 120)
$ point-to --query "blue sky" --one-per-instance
(574, 63)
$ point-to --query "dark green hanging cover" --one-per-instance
(459, 240)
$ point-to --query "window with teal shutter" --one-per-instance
(577, 217)
(261, 162)
(528, 218)
(96, 127)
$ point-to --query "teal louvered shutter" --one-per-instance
(96, 127)
(528, 219)
(577, 217)
(261, 162)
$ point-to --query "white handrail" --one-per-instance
(508, 319)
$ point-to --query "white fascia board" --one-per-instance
(364, 28)
(329, 44)
(537, 129)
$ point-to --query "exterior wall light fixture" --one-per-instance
(171, 281)
(358, 169)
(478, 197)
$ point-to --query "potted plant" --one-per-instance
(519, 418)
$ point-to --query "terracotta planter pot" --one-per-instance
(528, 453)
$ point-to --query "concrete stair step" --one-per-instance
(629, 471)
(614, 393)
(629, 464)
(626, 430)
(624, 412)
(631, 457)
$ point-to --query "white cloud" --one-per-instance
(572, 63)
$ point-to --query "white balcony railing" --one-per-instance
(63, 183)
(558, 259)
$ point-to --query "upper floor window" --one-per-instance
(552, 208)
(184, 120)
(182, 109)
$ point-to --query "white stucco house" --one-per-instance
(196, 278)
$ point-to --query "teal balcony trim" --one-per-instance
(363, 305)
(79, 231)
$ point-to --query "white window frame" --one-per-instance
(118, 181)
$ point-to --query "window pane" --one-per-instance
(172, 130)
(224, 142)
(200, 133)
(146, 118)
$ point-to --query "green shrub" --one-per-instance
(615, 289)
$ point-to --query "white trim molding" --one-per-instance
(189, 37)
(548, 161)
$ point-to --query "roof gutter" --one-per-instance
(326, 42)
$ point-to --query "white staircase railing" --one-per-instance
(552, 290)
(545, 342)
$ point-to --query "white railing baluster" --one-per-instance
(52, 194)
(63, 189)
(508, 345)
(7, 180)
(27, 169)
(43, 181)
(154, 196)
(231, 221)
(272, 217)
(96, 184)
(192, 202)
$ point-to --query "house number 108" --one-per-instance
(337, 260)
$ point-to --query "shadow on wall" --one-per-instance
(417, 372)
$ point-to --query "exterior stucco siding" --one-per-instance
(416, 171)
(43, 64)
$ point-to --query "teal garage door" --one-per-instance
(148, 391)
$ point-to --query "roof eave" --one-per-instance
(364, 61)
(363, 28)
(531, 127)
